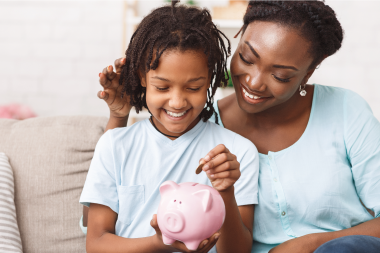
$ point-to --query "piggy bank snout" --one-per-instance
(174, 221)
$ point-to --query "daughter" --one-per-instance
(175, 61)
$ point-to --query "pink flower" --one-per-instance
(16, 111)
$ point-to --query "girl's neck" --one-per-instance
(172, 136)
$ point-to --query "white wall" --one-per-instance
(52, 51)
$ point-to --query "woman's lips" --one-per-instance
(252, 98)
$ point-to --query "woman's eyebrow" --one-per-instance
(285, 67)
(253, 50)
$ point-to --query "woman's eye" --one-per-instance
(244, 60)
(158, 88)
(282, 80)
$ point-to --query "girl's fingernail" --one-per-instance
(207, 158)
(99, 74)
(102, 93)
(216, 237)
(208, 172)
(109, 68)
(206, 167)
(212, 175)
(204, 244)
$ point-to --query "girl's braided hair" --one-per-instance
(180, 28)
(315, 21)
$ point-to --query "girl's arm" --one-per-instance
(101, 236)
(223, 170)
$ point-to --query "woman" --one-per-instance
(319, 146)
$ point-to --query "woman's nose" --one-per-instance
(177, 102)
(255, 82)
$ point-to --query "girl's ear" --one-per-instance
(142, 78)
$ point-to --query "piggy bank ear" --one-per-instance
(168, 186)
(206, 198)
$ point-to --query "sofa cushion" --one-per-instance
(50, 157)
(10, 240)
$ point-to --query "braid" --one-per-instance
(316, 21)
(180, 28)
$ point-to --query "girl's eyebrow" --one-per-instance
(167, 80)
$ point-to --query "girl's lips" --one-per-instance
(176, 118)
(250, 98)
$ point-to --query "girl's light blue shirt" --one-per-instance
(131, 163)
(316, 184)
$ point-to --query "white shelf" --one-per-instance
(221, 23)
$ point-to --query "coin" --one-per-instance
(199, 168)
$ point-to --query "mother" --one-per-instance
(319, 145)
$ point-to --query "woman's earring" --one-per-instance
(302, 91)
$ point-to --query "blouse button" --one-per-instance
(283, 213)
(275, 179)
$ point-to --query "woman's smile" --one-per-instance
(252, 98)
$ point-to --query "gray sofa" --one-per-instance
(50, 157)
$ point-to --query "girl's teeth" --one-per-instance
(249, 95)
(177, 115)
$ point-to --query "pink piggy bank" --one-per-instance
(189, 212)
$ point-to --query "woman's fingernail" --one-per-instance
(212, 175)
(99, 74)
(207, 158)
(204, 244)
(109, 68)
(208, 172)
(216, 237)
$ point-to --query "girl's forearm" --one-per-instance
(109, 242)
(115, 122)
(235, 236)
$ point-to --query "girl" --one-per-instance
(319, 145)
(174, 63)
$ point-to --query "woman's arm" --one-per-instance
(223, 170)
(309, 243)
(119, 107)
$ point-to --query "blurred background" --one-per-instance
(52, 51)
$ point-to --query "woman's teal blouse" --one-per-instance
(316, 184)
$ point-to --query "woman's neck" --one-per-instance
(278, 115)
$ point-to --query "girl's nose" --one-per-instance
(255, 82)
(177, 102)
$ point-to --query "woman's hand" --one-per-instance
(222, 168)
(119, 107)
(204, 247)
(303, 244)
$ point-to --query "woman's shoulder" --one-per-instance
(332, 97)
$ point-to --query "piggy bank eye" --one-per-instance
(175, 200)
(180, 202)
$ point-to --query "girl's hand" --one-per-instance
(204, 247)
(119, 107)
(222, 168)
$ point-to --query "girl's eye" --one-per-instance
(194, 89)
(281, 80)
(244, 60)
(158, 88)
